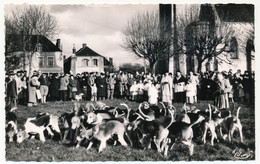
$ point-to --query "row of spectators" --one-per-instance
(137, 87)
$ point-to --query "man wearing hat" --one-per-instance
(44, 88)
(101, 89)
(179, 88)
(11, 92)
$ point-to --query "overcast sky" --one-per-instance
(99, 26)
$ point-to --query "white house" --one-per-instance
(87, 60)
(46, 57)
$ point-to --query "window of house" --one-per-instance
(234, 48)
(85, 62)
(50, 61)
(95, 62)
(41, 61)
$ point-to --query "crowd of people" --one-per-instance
(222, 87)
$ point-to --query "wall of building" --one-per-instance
(57, 65)
(80, 67)
(242, 35)
(56, 68)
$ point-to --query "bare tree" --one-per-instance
(24, 24)
(144, 37)
(216, 44)
(205, 40)
(187, 16)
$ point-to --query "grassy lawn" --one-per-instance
(51, 150)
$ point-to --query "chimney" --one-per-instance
(111, 67)
(74, 49)
(84, 45)
(111, 61)
(58, 44)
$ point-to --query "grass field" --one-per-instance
(51, 150)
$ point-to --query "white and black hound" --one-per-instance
(37, 125)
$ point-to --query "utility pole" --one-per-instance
(175, 42)
(144, 66)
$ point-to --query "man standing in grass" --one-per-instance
(11, 92)
(44, 88)
(64, 82)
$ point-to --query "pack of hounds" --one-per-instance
(149, 126)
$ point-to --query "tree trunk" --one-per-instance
(152, 64)
(30, 64)
(199, 66)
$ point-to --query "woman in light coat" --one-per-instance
(221, 95)
(166, 88)
(32, 87)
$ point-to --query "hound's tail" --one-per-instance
(171, 119)
(238, 110)
(210, 112)
(174, 109)
(128, 110)
(163, 108)
(185, 108)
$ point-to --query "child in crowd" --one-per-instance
(190, 92)
(134, 91)
(94, 92)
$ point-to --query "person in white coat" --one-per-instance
(190, 92)
(153, 95)
(134, 91)
(194, 82)
(166, 88)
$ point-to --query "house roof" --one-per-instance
(14, 43)
(86, 51)
(228, 12)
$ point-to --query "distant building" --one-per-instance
(47, 57)
(87, 60)
(239, 17)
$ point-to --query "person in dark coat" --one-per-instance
(101, 87)
(11, 92)
(73, 83)
(84, 83)
(238, 88)
(79, 85)
(44, 88)
(247, 86)
(179, 88)
(117, 86)
(54, 88)
(207, 86)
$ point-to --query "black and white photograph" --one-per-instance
(169, 81)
